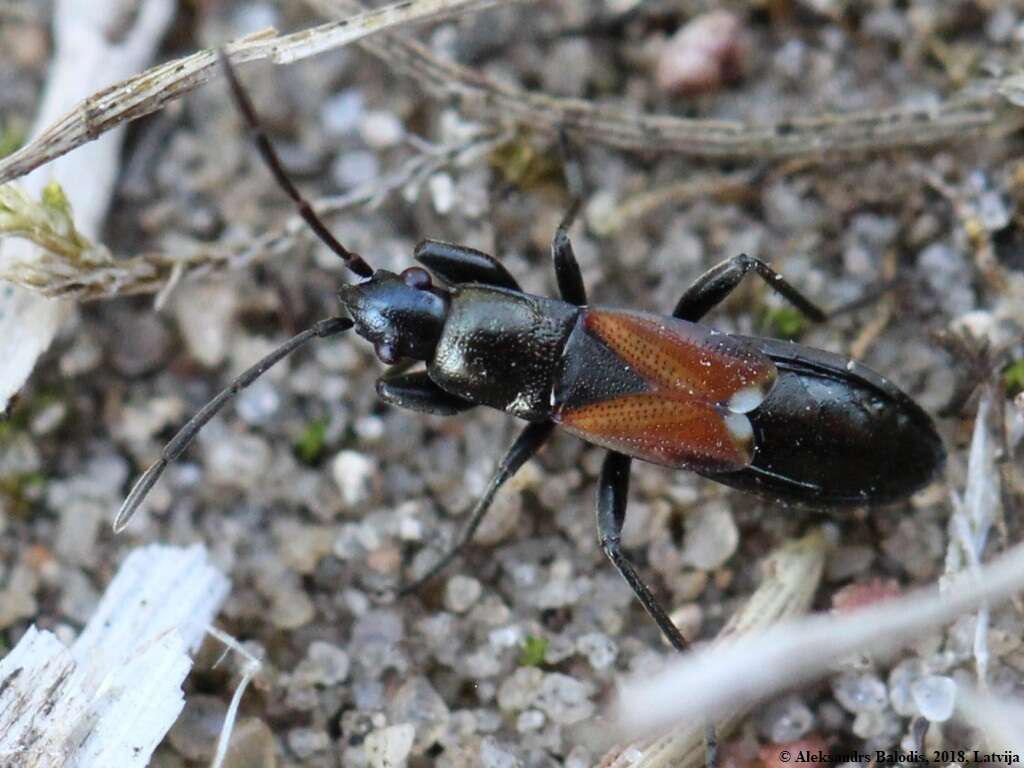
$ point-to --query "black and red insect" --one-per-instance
(772, 418)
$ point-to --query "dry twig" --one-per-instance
(993, 109)
(72, 266)
(156, 87)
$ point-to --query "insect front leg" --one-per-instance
(459, 264)
(717, 283)
(525, 447)
(612, 497)
(417, 392)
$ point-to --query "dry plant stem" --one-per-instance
(95, 274)
(953, 120)
(92, 47)
(974, 514)
(791, 577)
(250, 669)
(153, 89)
(997, 717)
(640, 206)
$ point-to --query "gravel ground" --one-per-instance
(313, 495)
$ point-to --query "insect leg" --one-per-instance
(187, 433)
(567, 270)
(352, 260)
(612, 493)
(612, 497)
(417, 392)
(526, 445)
(459, 264)
(718, 282)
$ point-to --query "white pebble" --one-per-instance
(390, 747)
(935, 696)
(381, 129)
(860, 692)
(353, 474)
(461, 592)
(711, 537)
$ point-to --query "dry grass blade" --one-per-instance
(69, 265)
(993, 110)
(997, 717)
(791, 577)
(151, 90)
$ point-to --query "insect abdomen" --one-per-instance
(834, 433)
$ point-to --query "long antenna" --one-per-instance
(187, 433)
(352, 259)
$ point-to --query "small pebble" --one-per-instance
(565, 699)
(599, 649)
(787, 720)
(17, 598)
(708, 52)
(353, 168)
(325, 664)
(495, 754)
(354, 475)
(860, 692)
(196, 731)
(291, 609)
(417, 702)
(343, 112)
(530, 720)
(902, 678)
(258, 403)
(79, 598)
(139, 344)
(204, 314)
(849, 561)
(461, 592)
(235, 460)
(442, 192)
(856, 596)
(381, 129)
(252, 745)
(390, 747)
(935, 697)
(521, 689)
(711, 536)
(306, 742)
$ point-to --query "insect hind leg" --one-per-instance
(612, 498)
(717, 283)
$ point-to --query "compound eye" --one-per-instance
(386, 352)
(417, 277)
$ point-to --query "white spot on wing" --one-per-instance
(739, 427)
(745, 400)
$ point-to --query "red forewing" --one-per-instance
(663, 390)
